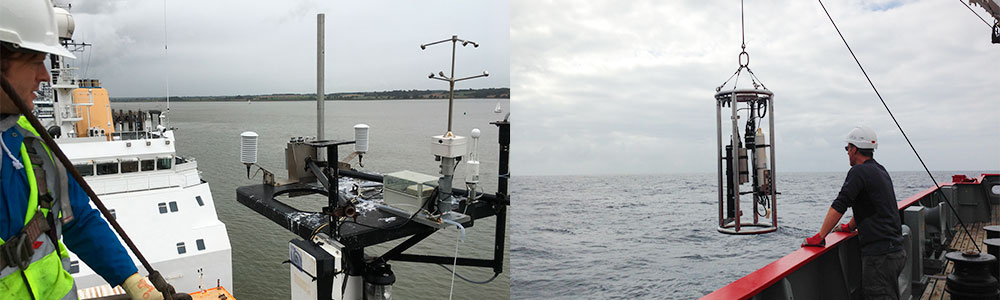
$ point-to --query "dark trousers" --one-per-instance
(880, 275)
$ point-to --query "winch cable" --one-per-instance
(977, 14)
(952, 208)
(54, 149)
(743, 47)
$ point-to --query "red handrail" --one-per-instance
(756, 282)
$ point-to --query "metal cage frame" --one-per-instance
(736, 225)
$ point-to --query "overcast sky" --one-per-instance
(263, 47)
(609, 87)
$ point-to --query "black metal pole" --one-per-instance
(334, 192)
(503, 175)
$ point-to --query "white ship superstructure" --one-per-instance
(129, 159)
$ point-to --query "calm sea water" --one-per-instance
(654, 236)
(400, 140)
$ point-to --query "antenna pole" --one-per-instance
(166, 54)
(451, 81)
(320, 74)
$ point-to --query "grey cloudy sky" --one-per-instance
(609, 87)
(263, 47)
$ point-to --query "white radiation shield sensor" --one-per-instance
(361, 138)
(248, 147)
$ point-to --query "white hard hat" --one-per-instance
(31, 24)
(863, 137)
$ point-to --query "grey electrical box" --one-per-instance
(408, 190)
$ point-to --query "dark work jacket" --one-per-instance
(868, 191)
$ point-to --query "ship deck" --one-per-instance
(106, 292)
(961, 242)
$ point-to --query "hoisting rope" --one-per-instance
(900, 127)
(977, 14)
(757, 83)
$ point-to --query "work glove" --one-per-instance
(815, 241)
(141, 288)
(843, 228)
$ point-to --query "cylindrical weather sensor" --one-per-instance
(361, 138)
(473, 172)
(248, 147)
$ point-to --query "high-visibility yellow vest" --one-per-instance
(46, 277)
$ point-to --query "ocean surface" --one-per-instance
(400, 140)
(654, 236)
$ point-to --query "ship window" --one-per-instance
(74, 267)
(200, 243)
(113, 215)
(173, 206)
(163, 207)
(180, 248)
(163, 163)
(129, 166)
(85, 169)
(147, 165)
(200, 202)
(107, 168)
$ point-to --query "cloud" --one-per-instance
(262, 47)
(605, 87)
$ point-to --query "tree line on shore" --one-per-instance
(382, 95)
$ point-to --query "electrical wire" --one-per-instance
(495, 275)
(454, 264)
(900, 127)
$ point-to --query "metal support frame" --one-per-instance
(731, 186)
(497, 207)
(355, 237)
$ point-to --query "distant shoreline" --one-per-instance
(490, 93)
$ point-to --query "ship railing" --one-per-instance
(69, 113)
(133, 135)
(141, 174)
(834, 271)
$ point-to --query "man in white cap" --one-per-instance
(34, 187)
(868, 192)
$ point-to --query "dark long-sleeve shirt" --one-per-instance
(868, 191)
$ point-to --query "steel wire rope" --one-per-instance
(973, 240)
(743, 29)
(977, 14)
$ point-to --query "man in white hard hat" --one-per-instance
(868, 192)
(34, 188)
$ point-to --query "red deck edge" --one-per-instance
(903, 204)
(756, 282)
